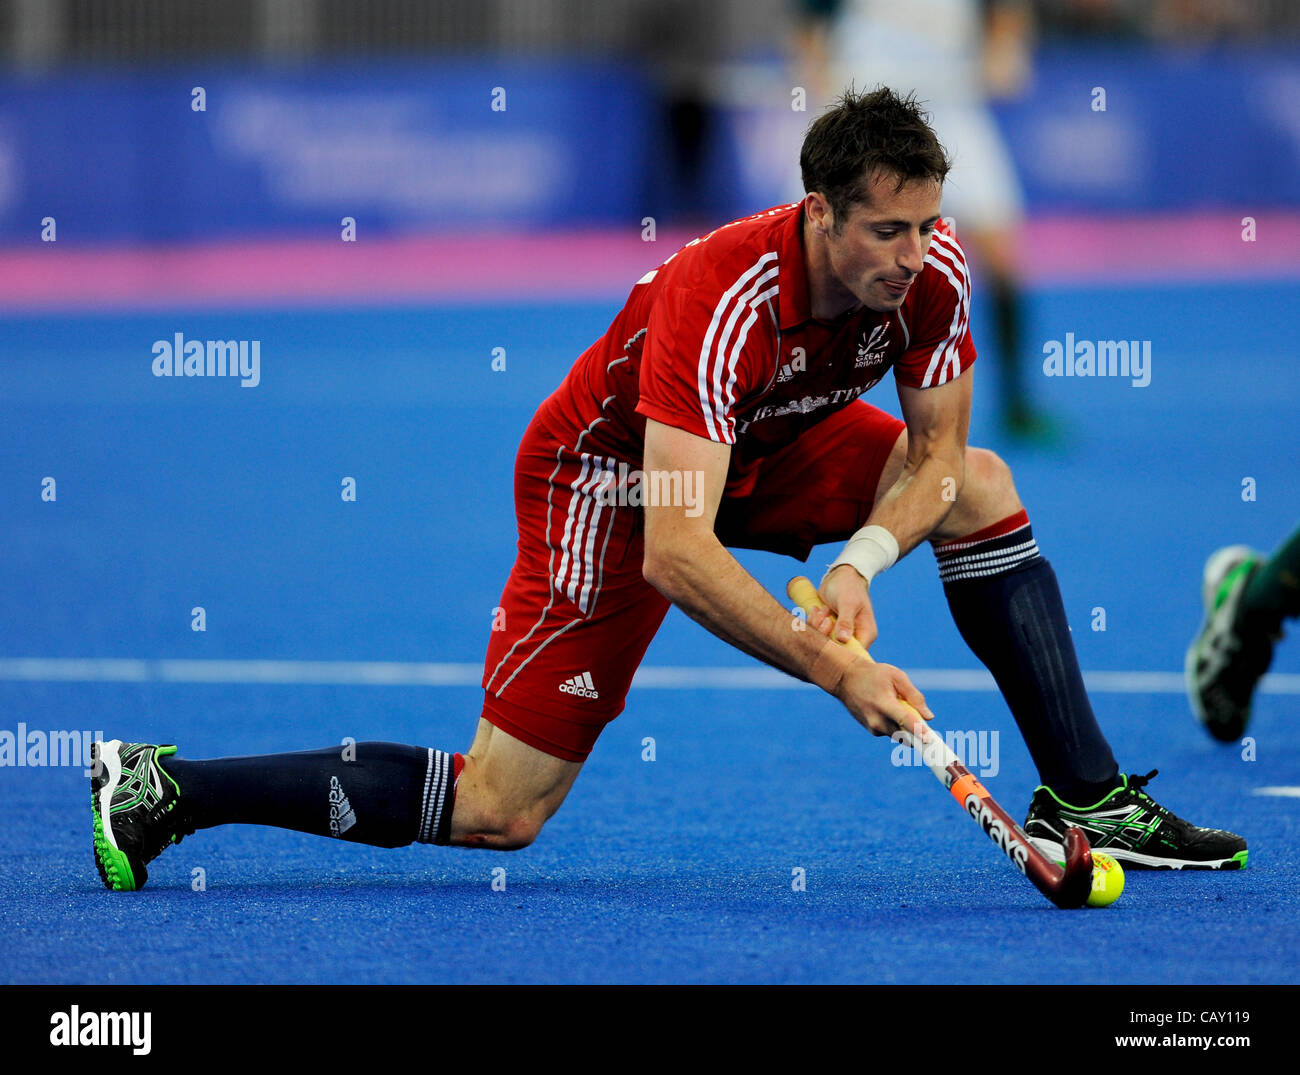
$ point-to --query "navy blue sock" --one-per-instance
(1006, 602)
(384, 794)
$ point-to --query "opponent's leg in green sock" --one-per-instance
(1273, 593)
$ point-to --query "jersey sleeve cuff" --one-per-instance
(675, 419)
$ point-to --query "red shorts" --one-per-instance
(578, 616)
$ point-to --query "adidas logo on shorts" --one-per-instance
(580, 686)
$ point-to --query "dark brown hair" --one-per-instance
(861, 135)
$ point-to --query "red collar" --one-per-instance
(795, 305)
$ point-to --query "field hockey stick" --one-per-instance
(1066, 887)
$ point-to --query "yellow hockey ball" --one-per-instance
(1107, 880)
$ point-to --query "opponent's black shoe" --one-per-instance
(1228, 658)
(1133, 829)
(135, 805)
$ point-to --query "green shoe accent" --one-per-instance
(1240, 859)
(1230, 580)
(138, 786)
(1075, 806)
(113, 864)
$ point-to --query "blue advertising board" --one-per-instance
(183, 153)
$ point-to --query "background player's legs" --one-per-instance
(1006, 602)
(983, 194)
(1273, 593)
(994, 251)
(507, 791)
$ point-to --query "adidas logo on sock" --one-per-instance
(581, 686)
(341, 816)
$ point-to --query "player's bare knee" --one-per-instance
(988, 484)
(503, 830)
(517, 832)
(986, 496)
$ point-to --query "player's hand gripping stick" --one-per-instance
(1068, 887)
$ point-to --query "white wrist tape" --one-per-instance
(868, 552)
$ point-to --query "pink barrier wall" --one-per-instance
(574, 265)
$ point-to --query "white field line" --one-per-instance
(469, 674)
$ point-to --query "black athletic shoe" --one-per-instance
(135, 809)
(1133, 829)
(1227, 659)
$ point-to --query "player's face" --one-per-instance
(880, 248)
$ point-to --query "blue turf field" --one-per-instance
(180, 493)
